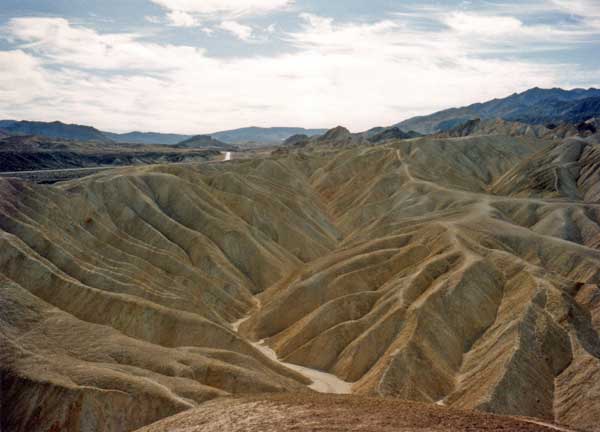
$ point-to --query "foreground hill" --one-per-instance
(307, 413)
(457, 271)
(534, 106)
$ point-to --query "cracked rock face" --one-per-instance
(462, 271)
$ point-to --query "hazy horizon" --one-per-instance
(190, 67)
(234, 128)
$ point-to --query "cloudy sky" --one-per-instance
(198, 66)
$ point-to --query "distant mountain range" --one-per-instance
(275, 135)
(534, 106)
(205, 142)
(53, 130)
(146, 138)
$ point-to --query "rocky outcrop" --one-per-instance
(205, 142)
(392, 133)
(478, 127)
(338, 135)
(298, 140)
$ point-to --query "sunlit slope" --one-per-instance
(310, 412)
(118, 291)
(436, 270)
(443, 291)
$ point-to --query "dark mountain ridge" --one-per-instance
(60, 130)
(146, 138)
(534, 106)
(54, 129)
(35, 153)
(273, 135)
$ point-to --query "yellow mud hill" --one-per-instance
(453, 271)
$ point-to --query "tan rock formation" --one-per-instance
(462, 271)
(306, 413)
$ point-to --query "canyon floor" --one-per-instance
(438, 280)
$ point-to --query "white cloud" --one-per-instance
(587, 10)
(321, 33)
(357, 74)
(182, 19)
(506, 26)
(240, 31)
(223, 8)
(584, 8)
(21, 77)
(153, 19)
(56, 40)
(476, 24)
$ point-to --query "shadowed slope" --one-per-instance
(440, 291)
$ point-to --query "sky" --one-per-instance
(200, 66)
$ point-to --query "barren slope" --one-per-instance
(34, 153)
(455, 271)
(307, 413)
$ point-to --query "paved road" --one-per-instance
(54, 175)
(56, 171)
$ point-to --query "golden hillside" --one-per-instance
(457, 271)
